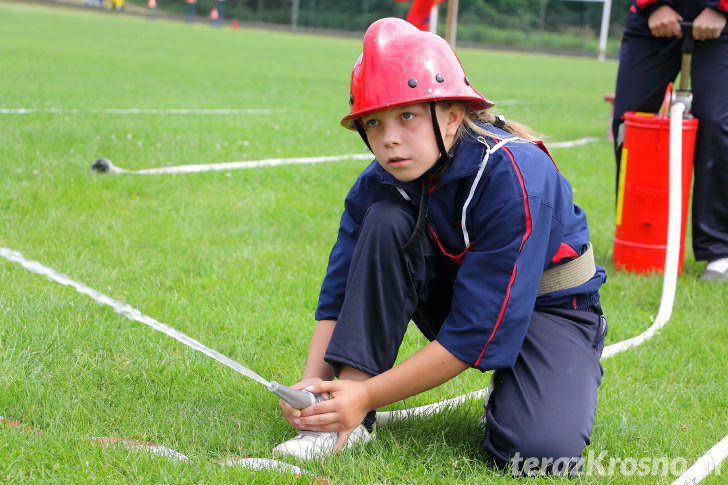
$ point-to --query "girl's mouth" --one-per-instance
(395, 162)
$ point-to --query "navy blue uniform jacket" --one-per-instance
(520, 220)
(689, 9)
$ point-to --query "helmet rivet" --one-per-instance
(467, 81)
(351, 99)
(439, 78)
(412, 82)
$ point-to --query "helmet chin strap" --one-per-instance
(439, 165)
(362, 133)
(444, 156)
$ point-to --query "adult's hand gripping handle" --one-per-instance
(294, 397)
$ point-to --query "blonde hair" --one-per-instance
(473, 120)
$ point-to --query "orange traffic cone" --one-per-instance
(235, 24)
(214, 15)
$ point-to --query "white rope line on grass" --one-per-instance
(253, 463)
(139, 111)
(384, 417)
(663, 316)
(134, 314)
(130, 312)
(137, 445)
(618, 347)
(106, 165)
(708, 462)
(175, 456)
(268, 465)
(705, 464)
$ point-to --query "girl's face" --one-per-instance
(403, 139)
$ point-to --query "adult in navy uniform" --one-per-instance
(650, 58)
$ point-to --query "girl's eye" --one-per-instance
(408, 116)
(370, 123)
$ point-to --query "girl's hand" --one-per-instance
(292, 414)
(708, 25)
(665, 22)
(343, 412)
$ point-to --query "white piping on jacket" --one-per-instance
(488, 151)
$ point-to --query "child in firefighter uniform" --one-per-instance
(464, 225)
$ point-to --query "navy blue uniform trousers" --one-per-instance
(646, 65)
(543, 407)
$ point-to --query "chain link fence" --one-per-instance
(552, 25)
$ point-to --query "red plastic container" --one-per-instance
(640, 240)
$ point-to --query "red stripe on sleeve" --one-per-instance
(500, 316)
(526, 234)
(526, 209)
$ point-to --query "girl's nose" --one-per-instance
(391, 134)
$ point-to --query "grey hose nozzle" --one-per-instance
(294, 397)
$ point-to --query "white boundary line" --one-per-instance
(574, 143)
(138, 111)
(695, 473)
(160, 111)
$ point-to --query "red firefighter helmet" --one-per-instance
(402, 65)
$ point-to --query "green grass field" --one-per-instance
(235, 258)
